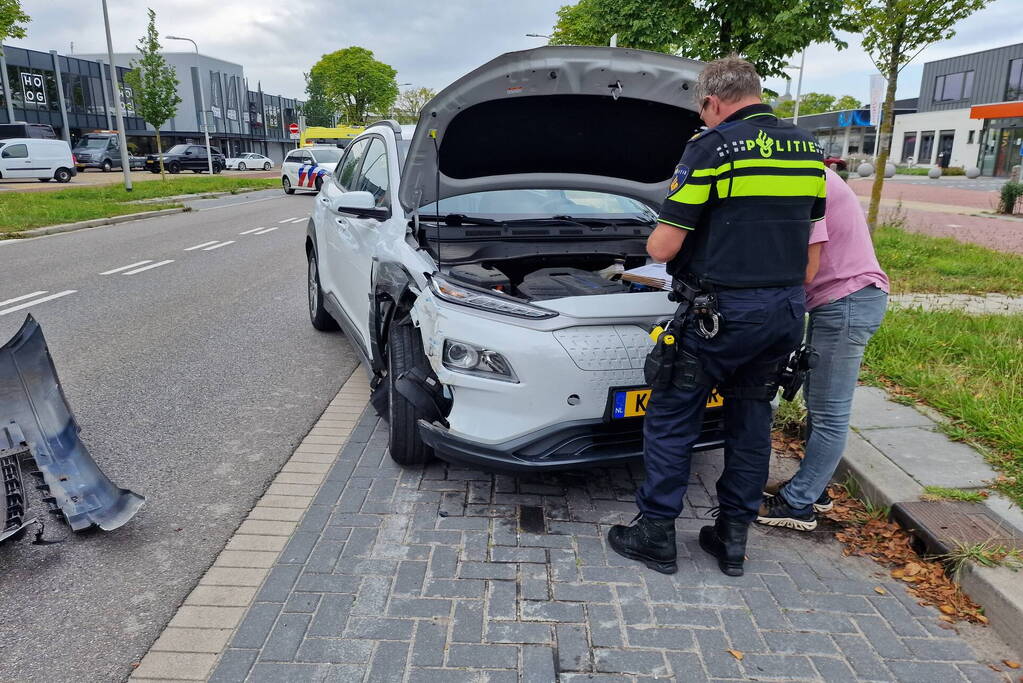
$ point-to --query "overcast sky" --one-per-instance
(429, 43)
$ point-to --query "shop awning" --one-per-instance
(999, 110)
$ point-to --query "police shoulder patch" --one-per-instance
(679, 179)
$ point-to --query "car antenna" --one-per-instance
(436, 152)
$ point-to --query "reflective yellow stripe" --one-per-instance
(674, 225)
(703, 172)
(691, 194)
(823, 191)
(771, 186)
(770, 163)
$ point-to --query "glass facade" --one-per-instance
(1001, 147)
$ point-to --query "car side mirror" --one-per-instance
(360, 204)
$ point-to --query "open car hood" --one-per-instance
(558, 117)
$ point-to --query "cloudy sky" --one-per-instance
(430, 44)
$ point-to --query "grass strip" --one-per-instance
(921, 263)
(970, 368)
(24, 210)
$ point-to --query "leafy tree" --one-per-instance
(318, 110)
(155, 84)
(846, 102)
(355, 83)
(12, 21)
(765, 32)
(411, 102)
(815, 103)
(894, 33)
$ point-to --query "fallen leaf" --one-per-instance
(880, 591)
(738, 655)
(945, 617)
(1011, 663)
(982, 619)
(947, 609)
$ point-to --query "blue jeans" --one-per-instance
(839, 331)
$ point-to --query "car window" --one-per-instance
(326, 157)
(15, 152)
(177, 149)
(513, 204)
(373, 177)
(294, 158)
(197, 150)
(345, 172)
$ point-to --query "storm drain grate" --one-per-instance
(943, 525)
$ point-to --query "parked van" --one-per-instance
(34, 158)
(23, 129)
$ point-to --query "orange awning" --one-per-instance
(1001, 110)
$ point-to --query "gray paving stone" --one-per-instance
(303, 602)
(833, 669)
(741, 631)
(930, 458)
(573, 648)
(940, 649)
(659, 637)
(605, 627)
(483, 656)
(925, 672)
(820, 621)
(389, 663)
(713, 647)
(501, 600)
(418, 607)
(331, 616)
(861, 657)
(630, 661)
(277, 672)
(979, 673)
(429, 643)
(872, 409)
(552, 611)
(256, 625)
(333, 650)
(791, 643)
(285, 638)
(515, 632)
(278, 584)
(487, 570)
(795, 667)
(468, 622)
(379, 628)
(582, 592)
(233, 666)
(538, 664)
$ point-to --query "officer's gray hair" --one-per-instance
(730, 78)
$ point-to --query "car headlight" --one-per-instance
(486, 301)
(470, 359)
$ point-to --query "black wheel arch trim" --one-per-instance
(392, 288)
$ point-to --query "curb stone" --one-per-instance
(96, 222)
(999, 590)
(190, 645)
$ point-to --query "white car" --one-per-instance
(307, 168)
(250, 161)
(36, 158)
(488, 320)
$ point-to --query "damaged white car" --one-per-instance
(474, 262)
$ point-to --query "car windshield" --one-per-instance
(326, 156)
(92, 143)
(177, 149)
(526, 204)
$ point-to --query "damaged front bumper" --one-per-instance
(34, 414)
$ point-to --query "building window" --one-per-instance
(969, 137)
(1014, 91)
(908, 146)
(953, 87)
(926, 147)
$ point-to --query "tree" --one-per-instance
(411, 102)
(355, 83)
(318, 110)
(816, 103)
(765, 32)
(155, 85)
(894, 33)
(12, 20)
(846, 102)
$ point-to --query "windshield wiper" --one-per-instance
(581, 221)
(456, 219)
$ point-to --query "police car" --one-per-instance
(307, 168)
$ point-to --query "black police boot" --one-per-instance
(651, 541)
(726, 540)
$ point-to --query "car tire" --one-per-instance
(266, 166)
(241, 166)
(174, 168)
(319, 183)
(217, 168)
(106, 166)
(288, 189)
(404, 351)
(318, 315)
(63, 175)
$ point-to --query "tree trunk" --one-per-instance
(159, 154)
(883, 143)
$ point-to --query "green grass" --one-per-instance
(921, 263)
(968, 367)
(23, 210)
(917, 170)
(986, 554)
(943, 493)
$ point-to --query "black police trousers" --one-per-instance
(761, 327)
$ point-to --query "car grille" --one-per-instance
(606, 347)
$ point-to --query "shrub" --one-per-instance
(844, 175)
(1011, 193)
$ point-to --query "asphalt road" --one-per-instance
(193, 377)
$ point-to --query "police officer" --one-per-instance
(734, 231)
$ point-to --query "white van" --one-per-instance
(35, 158)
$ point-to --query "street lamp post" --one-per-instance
(799, 87)
(202, 102)
(121, 139)
(537, 35)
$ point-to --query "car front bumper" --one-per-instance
(572, 445)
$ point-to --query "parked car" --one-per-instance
(308, 168)
(471, 270)
(37, 158)
(250, 160)
(836, 163)
(23, 129)
(187, 158)
(99, 149)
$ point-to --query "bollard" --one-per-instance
(934, 173)
(864, 170)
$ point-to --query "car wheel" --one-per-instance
(266, 166)
(175, 168)
(217, 168)
(241, 166)
(62, 175)
(319, 184)
(404, 352)
(106, 166)
(318, 315)
(288, 189)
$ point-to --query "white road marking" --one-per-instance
(204, 244)
(249, 232)
(128, 267)
(218, 246)
(265, 230)
(299, 219)
(286, 220)
(150, 266)
(21, 298)
(12, 309)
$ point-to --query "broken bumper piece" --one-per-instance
(35, 413)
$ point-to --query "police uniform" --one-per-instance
(747, 191)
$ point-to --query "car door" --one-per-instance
(16, 162)
(196, 160)
(334, 240)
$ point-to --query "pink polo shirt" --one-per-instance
(848, 262)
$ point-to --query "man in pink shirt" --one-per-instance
(846, 295)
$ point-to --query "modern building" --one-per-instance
(848, 133)
(74, 95)
(970, 113)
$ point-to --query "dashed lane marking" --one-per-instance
(218, 246)
(249, 232)
(21, 298)
(286, 220)
(265, 230)
(127, 267)
(33, 302)
(299, 219)
(204, 244)
(149, 267)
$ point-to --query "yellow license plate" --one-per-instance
(632, 402)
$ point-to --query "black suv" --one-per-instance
(186, 158)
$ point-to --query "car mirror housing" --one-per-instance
(360, 204)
